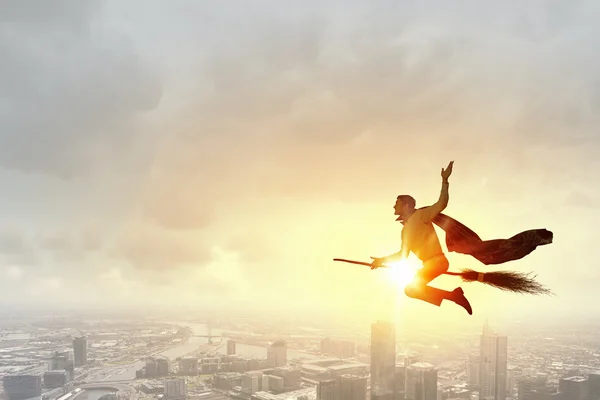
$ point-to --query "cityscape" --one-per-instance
(236, 359)
(310, 200)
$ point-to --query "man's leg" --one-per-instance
(419, 288)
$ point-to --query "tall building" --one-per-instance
(188, 366)
(383, 359)
(328, 390)
(528, 385)
(277, 354)
(473, 366)
(175, 389)
(574, 388)
(399, 381)
(594, 385)
(493, 365)
(162, 367)
(19, 387)
(62, 361)
(292, 377)
(230, 347)
(80, 351)
(421, 382)
(159, 366)
(353, 387)
(252, 382)
(59, 360)
(55, 379)
(151, 369)
(510, 382)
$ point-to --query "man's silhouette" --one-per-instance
(419, 236)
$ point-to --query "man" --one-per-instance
(419, 236)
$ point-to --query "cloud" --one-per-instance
(320, 100)
(250, 248)
(14, 273)
(147, 246)
(71, 246)
(16, 248)
(176, 203)
(347, 109)
(72, 89)
(280, 136)
(44, 285)
(224, 274)
(292, 124)
(182, 285)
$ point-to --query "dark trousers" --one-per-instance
(419, 288)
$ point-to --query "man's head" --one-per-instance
(404, 207)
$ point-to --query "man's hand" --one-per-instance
(447, 172)
(377, 262)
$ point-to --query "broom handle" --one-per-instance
(385, 266)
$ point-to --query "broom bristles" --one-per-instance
(510, 281)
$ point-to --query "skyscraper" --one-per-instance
(353, 387)
(493, 365)
(421, 382)
(527, 385)
(328, 390)
(473, 366)
(594, 385)
(574, 388)
(383, 359)
(230, 347)
(80, 351)
(175, 389)
(277, 354)
(20, 387)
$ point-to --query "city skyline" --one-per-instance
(141, 358)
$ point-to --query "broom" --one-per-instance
(510, 281)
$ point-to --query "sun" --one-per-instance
(403, 272)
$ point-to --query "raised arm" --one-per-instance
(429, 213)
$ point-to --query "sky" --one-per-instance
(219, 156)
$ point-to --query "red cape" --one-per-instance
(460, 239)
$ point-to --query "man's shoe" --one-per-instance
(458, 296)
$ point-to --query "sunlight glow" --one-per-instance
(402, 272)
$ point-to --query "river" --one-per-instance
(126, 373)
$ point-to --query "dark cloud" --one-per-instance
(72, 89)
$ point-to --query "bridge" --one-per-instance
(209, 334)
